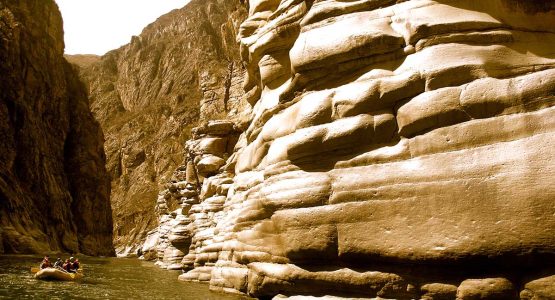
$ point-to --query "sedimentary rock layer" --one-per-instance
(147, 95)
(54, 187)
(193, 203)
(426, 121)
(395, 149)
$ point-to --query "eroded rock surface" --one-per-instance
(395, 149)
(193, 203)
(54, 187)
(148, 94)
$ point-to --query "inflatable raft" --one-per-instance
(55, 274)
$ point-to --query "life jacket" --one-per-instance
(67, 266)
(45, 264)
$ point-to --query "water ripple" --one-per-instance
(105, 278)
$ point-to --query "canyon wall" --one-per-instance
(394, 149)
(54, 187)
(147, 95)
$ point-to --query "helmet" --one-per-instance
(71, 258)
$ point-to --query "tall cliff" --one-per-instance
(54, 187)
(147, 95)
(395, 149)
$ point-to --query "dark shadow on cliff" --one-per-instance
(88, 178)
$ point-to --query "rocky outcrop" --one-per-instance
(193, 203)
(149, 94)
(54, 187)
(395, 149)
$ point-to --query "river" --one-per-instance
(105, 278)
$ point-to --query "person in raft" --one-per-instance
(45, 263)
(71, 266)
(76, 264)
(59, 263)
(67, 266)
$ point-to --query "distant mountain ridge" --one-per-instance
(82, 60)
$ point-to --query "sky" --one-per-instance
(98, 26)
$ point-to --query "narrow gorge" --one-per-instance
(293, 149)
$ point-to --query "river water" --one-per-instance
(105, 278)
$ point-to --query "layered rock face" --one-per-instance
(395, 149)
(54, 187)
(146, 96)
(193, 203)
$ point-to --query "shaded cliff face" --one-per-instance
(54, 187)
(396, 149)
(147, 95)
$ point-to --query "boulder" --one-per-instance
(220, 127)
(488, 288)
(209, 164)
(542, 288)
(211, 145)
(438, 291)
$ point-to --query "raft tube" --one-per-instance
(55, 274)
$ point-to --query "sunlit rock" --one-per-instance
(393, 149)
(489, 288)
(542, 288)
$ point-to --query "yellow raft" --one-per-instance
(55, 274)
